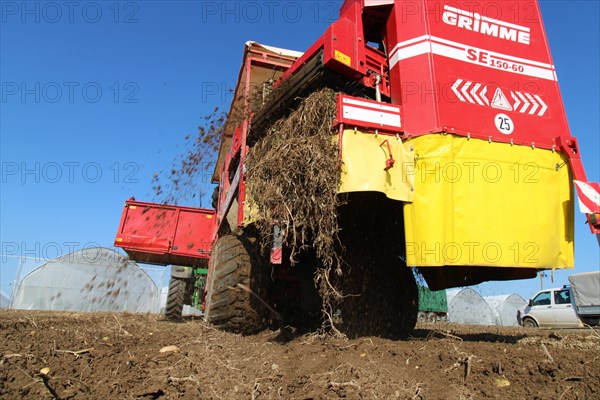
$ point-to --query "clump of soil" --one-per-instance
(293, 178)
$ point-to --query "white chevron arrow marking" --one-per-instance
(526, 102)
(465, 92)
(455, 89)
(535, 104)
(516, 99)
(544, 105)
(474, 93)
(482, 95)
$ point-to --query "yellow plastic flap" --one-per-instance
(488, 204)
(364, 158)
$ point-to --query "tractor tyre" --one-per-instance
(432, 318)
(176, 297)
(237, 287)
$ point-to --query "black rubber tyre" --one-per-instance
(176, 297)
(529, 323)
(432, 318)
(228, 305)
(421, 317)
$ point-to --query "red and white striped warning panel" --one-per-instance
(369, 114)
(588, 194)
(477, 93)
(524, 100)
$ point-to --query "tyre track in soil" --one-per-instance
(118, 356)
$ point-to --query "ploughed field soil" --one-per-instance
(45, 355)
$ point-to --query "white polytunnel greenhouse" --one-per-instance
(505, 308)
(4, 300)
(466, 306)
(92, 279)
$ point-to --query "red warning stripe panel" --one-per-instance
(369, 114)
(588, 194)
(476, 93)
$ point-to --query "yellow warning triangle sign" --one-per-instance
(500, 101)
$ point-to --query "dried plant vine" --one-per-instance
(293, 178)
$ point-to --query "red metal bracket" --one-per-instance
(571, 148)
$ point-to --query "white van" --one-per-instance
(550, 307)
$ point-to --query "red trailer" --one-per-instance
(163, 234)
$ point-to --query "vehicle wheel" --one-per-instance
(529, 323)
(432, 317)
(421, 317)
(176, 297)
(229, 304)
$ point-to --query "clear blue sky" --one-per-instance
(98, 96)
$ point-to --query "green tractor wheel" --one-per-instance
(177, 296)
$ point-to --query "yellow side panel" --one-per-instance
(364, 158)
(488, 204)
